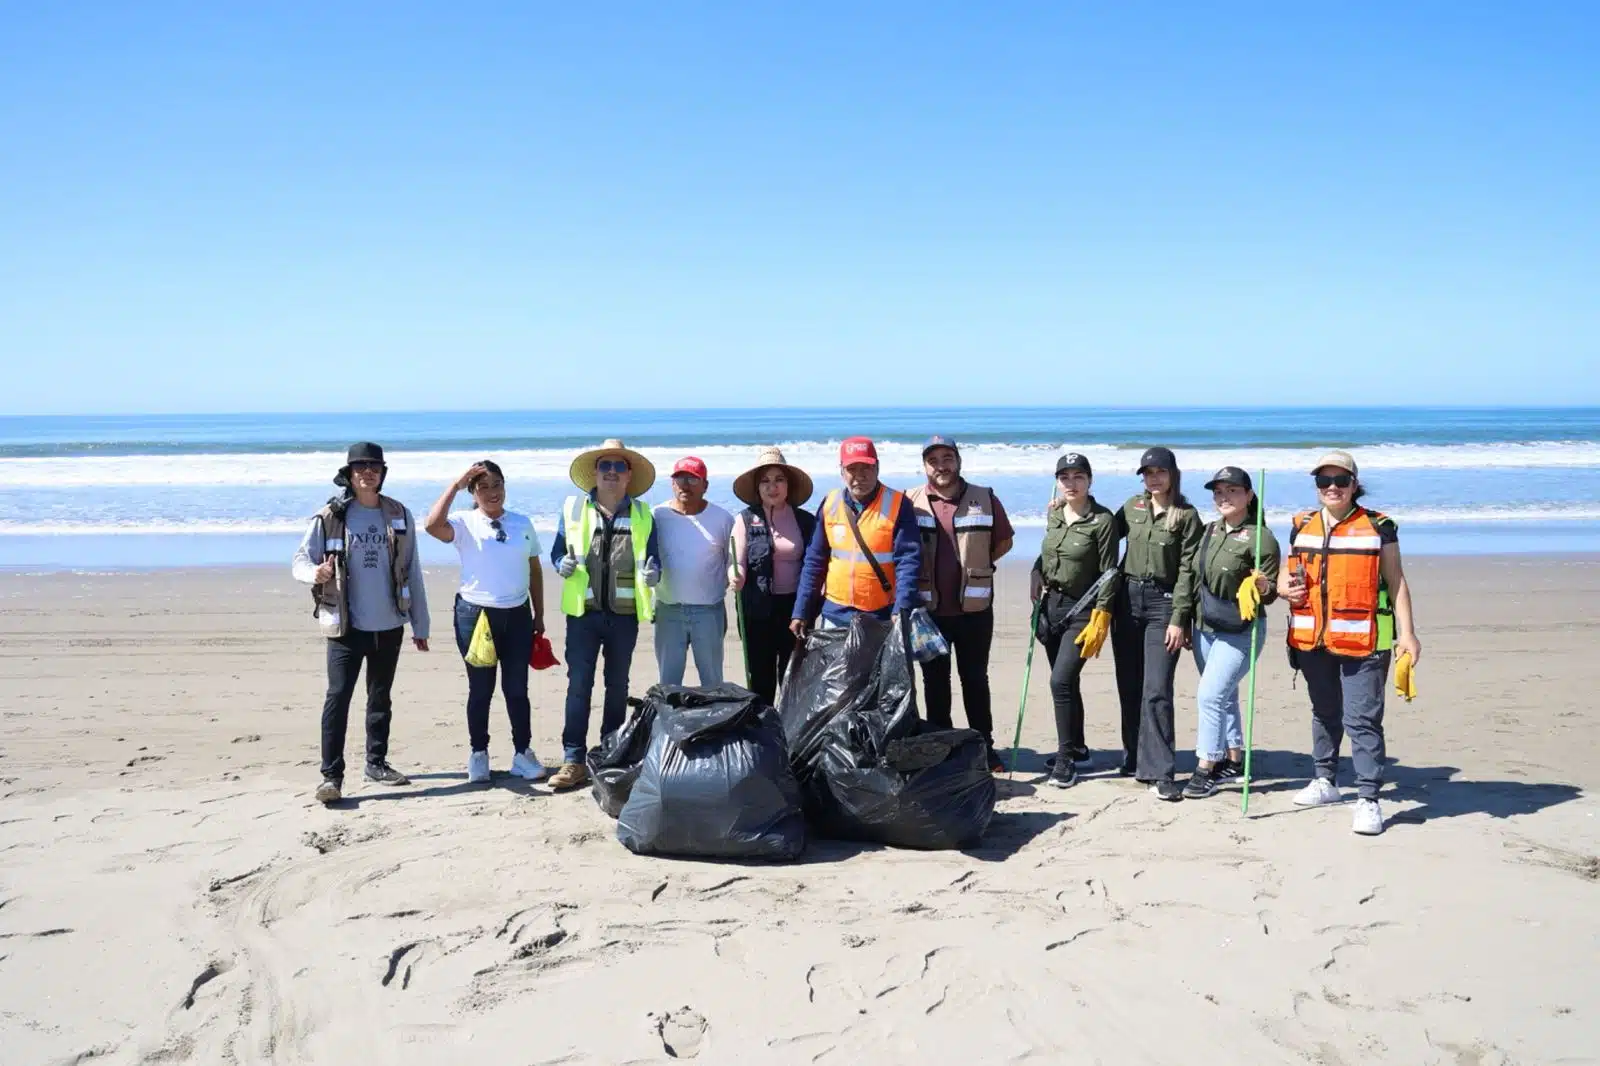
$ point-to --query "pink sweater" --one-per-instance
(787, 550)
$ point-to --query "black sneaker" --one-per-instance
(1079, 752)
(1167, 790)
(384, 774)
(1063, 775)
(1227, 770)
(1200, 785)
(1129, 767)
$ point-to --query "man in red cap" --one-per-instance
(694, 538)
(866, 554)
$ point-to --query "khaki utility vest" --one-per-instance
(974, 529)
(331, 602)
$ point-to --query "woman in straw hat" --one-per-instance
(606, 554)
(769, 542)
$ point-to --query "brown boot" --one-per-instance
(571, 775)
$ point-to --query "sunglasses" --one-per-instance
(611, 466)
(1337, 480)
(499, 530)
(366, 464)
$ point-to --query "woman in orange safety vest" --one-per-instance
(1349, 610)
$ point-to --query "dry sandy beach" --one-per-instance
(170, 893)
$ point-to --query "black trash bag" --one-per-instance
(716, 781)
(829, 673)
(879, 775)
(614, 765)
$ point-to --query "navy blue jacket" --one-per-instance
(814, 571)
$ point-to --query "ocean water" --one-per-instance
(153, 491)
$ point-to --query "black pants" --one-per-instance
(381, 652)
(1066, 668)
(768, 643)
(970, 637)
(512, 629)
(1145, 669)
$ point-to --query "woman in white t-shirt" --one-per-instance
(500, 577)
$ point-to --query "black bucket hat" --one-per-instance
(361, 452)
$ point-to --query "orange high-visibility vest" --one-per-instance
(1344, 583)
(851, 580)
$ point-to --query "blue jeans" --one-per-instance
(1223, 660)
(512, 630)
(587, 635)
(681, 626)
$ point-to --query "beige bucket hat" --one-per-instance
(641, 470)
(800, 487)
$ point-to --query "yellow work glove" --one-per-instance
(1093, 637)
(1249, 597)
(1405, 681)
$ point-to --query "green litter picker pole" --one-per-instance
(1027, 673)
(1255, 629)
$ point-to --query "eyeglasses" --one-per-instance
(499, 530)
(1339, 480)
(611, 466)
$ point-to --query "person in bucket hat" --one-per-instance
(866, 554)
(769, 543)
(608, 558)
(359, 556)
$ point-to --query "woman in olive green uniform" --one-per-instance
(1223, 625)
(1150, 625)
(1080, 545)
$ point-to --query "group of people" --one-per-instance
(1153, 577)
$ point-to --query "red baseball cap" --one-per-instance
(689, 464)
(858, 450)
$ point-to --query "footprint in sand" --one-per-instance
(682, 1031)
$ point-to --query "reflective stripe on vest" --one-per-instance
(851, 581)
(331, 605)
(973, 526)
(577, 592)
(1345, 597)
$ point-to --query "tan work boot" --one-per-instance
(571, 775)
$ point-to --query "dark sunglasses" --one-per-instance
(366, 464)
(499, 530)
(1340, 480)
(611, 466)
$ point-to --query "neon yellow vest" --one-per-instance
(580, 515)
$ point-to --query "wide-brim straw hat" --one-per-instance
(745, 485)
(642, 471)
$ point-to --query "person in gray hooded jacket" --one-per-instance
(359, 556)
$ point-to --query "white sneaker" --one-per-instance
(527, 766)
(478, 768)
(1368, 819)
(1321, 791)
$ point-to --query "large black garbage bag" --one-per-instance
(829, 673)
(716, 781)
(873, 773)
(614, 765)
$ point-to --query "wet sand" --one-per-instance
(170, 893)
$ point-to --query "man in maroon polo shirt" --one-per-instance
(964, 533)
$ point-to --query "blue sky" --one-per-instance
(397, 206)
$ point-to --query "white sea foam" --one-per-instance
(546, 523)
(819, 457)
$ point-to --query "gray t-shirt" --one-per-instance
(370, 587)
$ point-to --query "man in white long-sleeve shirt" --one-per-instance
(360, 558)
